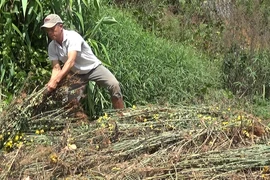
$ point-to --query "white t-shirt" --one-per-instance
(85, 60)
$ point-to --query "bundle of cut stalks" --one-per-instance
(153, 142)
(37, 112)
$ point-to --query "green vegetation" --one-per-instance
(192, 49)
(151, 70)
(154, 70)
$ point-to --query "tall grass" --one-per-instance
(152, 69)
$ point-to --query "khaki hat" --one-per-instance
(51, 20)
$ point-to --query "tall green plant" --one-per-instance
(24, 46)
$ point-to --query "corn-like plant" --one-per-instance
(24, 44)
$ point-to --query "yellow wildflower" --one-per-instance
(239, 118)
(111, 127)
(16, 138)
(53, 158)
(116, 169)
(225, 123)
(245, 133)
(103, 125)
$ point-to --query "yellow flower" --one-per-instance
(9, 144)
(225, 123)
(116, 169)
(111, 127)
(245, 133)
(156, 116)
(99, 120)
(37, 131)
(103, 125)
(134, 107)
(239, 118)
(53, 158)
(41, 131)
(16, 138)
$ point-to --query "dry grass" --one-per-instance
(145, 143)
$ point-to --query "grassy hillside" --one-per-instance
(152, 69)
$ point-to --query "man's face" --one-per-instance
(55, 33)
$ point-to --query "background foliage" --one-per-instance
(201, 46)
(233, 34)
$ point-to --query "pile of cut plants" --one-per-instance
(43, 138)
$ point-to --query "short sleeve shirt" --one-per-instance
(72, 41)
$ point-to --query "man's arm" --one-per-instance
(56, 68)
(58, 75)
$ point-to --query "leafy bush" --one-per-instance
(246, 55)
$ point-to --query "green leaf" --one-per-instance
(81, 21)
(17, 30)
(2, 3)
(79, 5)
(70, 4)
(97, 5)
(109, 20)
(86, 4)
(94, 45)
(41, 8)
(104, 20)
(3, 72)
(106, 54)
(24, 6)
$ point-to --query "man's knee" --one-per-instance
(114, 88)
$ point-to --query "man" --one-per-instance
(78, 59)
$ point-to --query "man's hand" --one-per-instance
(58, 73)
(52, 84)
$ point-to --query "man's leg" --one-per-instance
(104, 78)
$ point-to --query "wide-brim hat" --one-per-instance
(51, 20)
